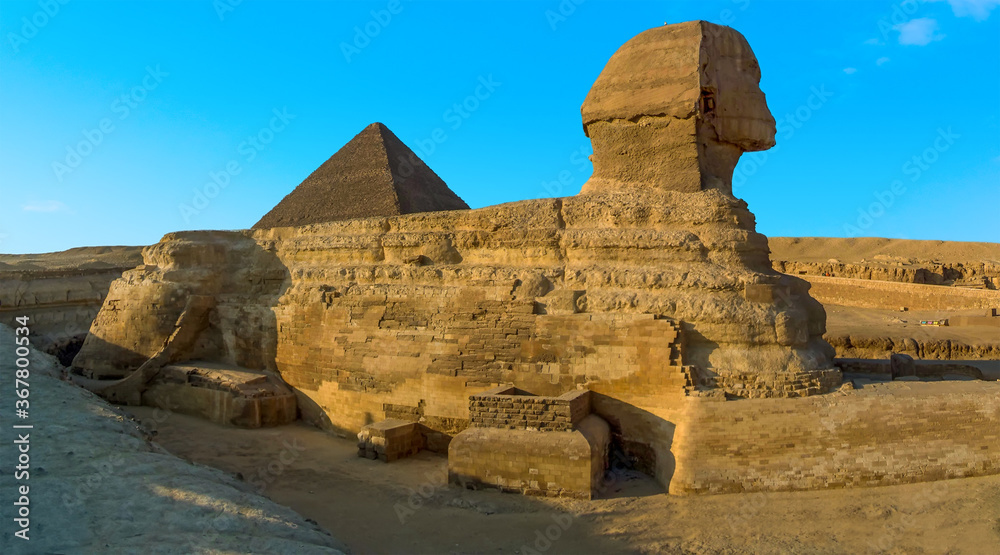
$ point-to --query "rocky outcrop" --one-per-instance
(374, 174)
(984, 275)
(98, 484)
(61, 292)
(859, 346)
(956, 263)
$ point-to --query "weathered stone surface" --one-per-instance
(674, 109)
(224, 395)
(374, 174)
(92, 465)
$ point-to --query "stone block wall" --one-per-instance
(390, 440)
(758, 385)
(515, 409)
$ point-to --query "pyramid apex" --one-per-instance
(373, 175)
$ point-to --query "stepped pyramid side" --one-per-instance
(374, 174)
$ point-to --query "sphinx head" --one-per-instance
(674, 109)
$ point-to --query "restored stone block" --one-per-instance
(390, 440)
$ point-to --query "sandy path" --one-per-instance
(97, 485)
(360, 501)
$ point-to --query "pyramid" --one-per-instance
(374, 174)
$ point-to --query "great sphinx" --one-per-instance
(650, 288)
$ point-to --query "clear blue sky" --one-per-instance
(180, 86)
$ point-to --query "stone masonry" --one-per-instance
(528, 444)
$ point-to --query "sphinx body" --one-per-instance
(649, 288)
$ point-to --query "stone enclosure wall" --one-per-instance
(893, 295)
(882, 434)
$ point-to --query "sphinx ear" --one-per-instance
(707, 101)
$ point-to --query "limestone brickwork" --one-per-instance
(515, 409)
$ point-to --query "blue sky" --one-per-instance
(121, 121)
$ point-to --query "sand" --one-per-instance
(871, 322)
(80, 257)
(853, 250)
(97, 484)
(405, 506)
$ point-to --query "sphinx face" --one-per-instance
(731, 99)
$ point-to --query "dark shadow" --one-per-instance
(640, 444)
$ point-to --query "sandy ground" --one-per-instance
(870, 322)
(853, 250)
(80, 257)
(406, 506)
(97, 485)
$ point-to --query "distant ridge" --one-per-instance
(374, 174)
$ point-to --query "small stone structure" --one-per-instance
(519, 442)
(390, 440)
(225, 395)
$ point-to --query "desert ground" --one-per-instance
(406, 506)
(97, 484)
(857, 249)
